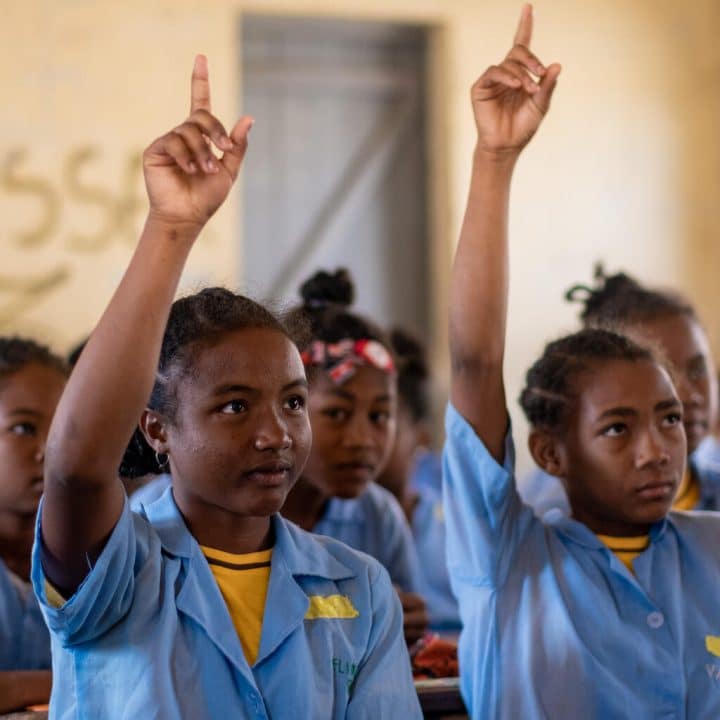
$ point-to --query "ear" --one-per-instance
(548, 452)
(154, 427)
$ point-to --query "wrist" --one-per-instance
(500, 159)
(167, 228)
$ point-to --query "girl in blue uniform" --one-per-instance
(207, 604)
(353, 406)
(670, 322)
(610, 613)
(31, 381)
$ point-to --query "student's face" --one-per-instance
(353, 429)
(686, 346)
(625, 448)
(241, 433)
(28, 399)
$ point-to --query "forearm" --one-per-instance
(21, 688)
(113, 378)
(479, 287)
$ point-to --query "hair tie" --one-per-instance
(341, 359)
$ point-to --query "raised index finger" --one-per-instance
(525, 26)
(200, 85)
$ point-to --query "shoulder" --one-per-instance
(308, 553)
(697, 530)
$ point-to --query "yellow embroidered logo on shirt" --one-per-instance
(712, 645)
(330, 606)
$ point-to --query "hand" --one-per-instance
(509, 104)
(415, 618)
(185, 182)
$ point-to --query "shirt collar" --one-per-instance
(301, 552)
(581, 534)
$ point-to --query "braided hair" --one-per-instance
(549, 384)
(195, 322)
(620, 300)
(325, 315)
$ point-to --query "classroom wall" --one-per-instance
(625, 169)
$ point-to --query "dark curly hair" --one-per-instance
(324, 314)
(549, 384)
(620, 300)
(17, 352)
(195, 322)
(413, 375)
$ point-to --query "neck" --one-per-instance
(218, 528)
(609, 526)
(16, 539)
(305, 504)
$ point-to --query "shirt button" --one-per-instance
(655, 620)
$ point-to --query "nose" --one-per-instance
(652, 449)
(271, 432)
(40, 451)
(358, 432)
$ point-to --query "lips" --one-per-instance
(657, 491)
(360, 469)
(270, 474)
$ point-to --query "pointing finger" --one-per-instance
(525, 27)
(200, 85)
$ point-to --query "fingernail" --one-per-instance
(210, 165)
(226, 143)
(192, 167)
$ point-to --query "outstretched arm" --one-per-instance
(112, 380)
(509, 102)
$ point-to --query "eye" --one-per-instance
(296, 403)
(672, 419)
(234, 407)
(379, 417)
(24, 428)
(615, 430)
(336, 414)
(697, 371)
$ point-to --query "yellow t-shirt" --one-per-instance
(688, 494)
(626, 549)
(243, 581)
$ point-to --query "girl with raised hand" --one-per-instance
(555, 624)
(31, 382)
(668, 321)
(353, 406)
(206, 604)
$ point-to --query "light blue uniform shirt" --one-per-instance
(546, 494)
(148, 634)
(24, 638)
(374, 523)
(428, 529)
(555, 626)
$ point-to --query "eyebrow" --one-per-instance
(25, 411)
(631, 412)
(235, 388)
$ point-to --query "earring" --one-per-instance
(162, 460)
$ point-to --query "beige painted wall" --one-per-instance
(626, 168)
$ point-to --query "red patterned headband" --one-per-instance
(341, 359)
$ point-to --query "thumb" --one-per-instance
(232, 159)
(547, 87)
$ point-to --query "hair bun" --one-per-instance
(325, 288)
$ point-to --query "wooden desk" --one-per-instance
(441, 698)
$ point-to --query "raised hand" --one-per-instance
(508, 101)
(186, 182)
